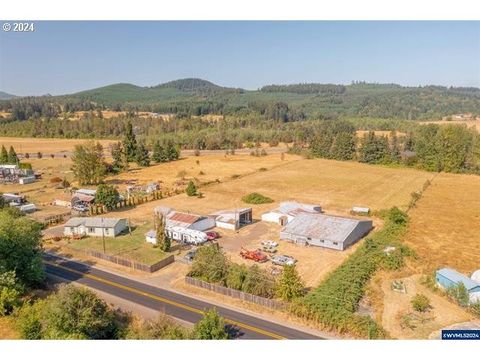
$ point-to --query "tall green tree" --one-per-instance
(12, 156)
(158, 154)
(344, 146)
(426, 147)
(290, 285)
(21, 248)
(120, 161)
(88, 163)
(107, 195)
(130, 143)
(172, 151)
(3, 155)
(374, 149)
(142, 157)
(210, 327)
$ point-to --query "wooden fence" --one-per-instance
(270, 303)
(129, 263)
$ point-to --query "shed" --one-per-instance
(88, 192)
(288, 210)
(448, 278)
(151, 236)
(232, 219)
(360, 210)
(27, 180)
(328, 231)
(27, 208)
(64, 200)
(94, 226)
(13, 199)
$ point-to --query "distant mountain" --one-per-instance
(6, 96)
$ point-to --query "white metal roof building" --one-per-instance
(189, 221)
(328, 231)
(288, 210)
(94, 226)
(232, 219)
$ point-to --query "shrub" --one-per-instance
(420, 303)
(236, 275)
(107, 195)
(210, 264)
(210, 327)
(163, 327)
(55, 180)
(259, 282)
(191, 189)
(460, 294)
(256, 198)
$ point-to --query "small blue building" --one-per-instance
(448, 278)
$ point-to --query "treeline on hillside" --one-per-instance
(307, 88)
(449, 148)
(194, 97)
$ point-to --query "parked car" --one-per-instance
(283, 260)
(190, 255)
(212, 235)
(80, 207)
(269, 249)
(269, 243)
(255, 255)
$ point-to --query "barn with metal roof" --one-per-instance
(188, 221)
(328, 231)
(449, 278)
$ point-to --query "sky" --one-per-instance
(66, 57)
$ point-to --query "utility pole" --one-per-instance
(103, 237)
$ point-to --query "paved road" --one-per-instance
(183, 307)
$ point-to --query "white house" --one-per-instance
(232, 219)
(94, 226)
(288, 210)
(188, 236)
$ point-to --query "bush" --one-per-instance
(259, 282)
(210, 327)
(55, 180)
(107, 195)
(71, 313)
(256, 198)
(420, 303)
(162, 327)
(10, 292)
(191, 189)
(210, 264)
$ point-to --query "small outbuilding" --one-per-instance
(333, 232)
(13, 199)
(232, 219)
(151, 236)
(360, 210)
(288, 210)
(187, 236)
(27, 180)
(94, 226)
(449, 278)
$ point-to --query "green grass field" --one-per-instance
(132, 247)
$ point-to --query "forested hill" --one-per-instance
(6, 96)
(293, 102)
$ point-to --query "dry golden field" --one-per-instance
(334, 185)
(469, 123)
(7, 331)
(202, 168)
(33, 145)
(445, 225)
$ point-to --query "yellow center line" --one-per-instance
(162, 299)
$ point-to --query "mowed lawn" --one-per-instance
(132, 247)
(334, 185)
(445, 226)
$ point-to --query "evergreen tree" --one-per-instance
(290, 285)
(130, 143)
(142, 158)
(409, 144)
(3, 155)
(191, 189)
(374, 149)
(12, 156)
(426, 147)
(394, 148)
(344, 147)
(172, 151)
(158, 154)
(163, 241)
(120, 161)
(107, 195)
